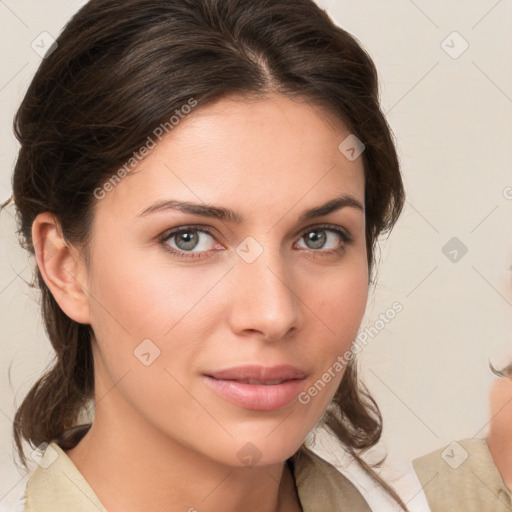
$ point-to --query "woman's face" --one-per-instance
(206, 339)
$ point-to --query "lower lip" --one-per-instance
(257, 397)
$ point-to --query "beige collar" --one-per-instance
(56, 485)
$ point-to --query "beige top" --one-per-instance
(56, 485)
(463, 477)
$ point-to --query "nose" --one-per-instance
(263, 298)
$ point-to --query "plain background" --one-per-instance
(450, 108)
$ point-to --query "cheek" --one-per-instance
(157, 309)
(501, 401)
(148, 300)
(342, 304)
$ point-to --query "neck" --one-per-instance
(131, 466)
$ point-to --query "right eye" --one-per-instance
(191, 240)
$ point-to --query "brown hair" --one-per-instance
(505, 372)
(120, 70)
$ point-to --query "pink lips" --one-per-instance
(257, 387)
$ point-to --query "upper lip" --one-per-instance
(258, 374)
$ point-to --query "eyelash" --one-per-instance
(191, 255)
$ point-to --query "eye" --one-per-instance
(328, 238)
(193, 241)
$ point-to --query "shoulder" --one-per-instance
(322, 487)
(56, 484)
(462, 476)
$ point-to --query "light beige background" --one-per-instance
(428, 369)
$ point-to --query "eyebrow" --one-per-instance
(228, 215)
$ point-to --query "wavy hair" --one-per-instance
(122, 68)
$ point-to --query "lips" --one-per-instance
(260, 382)
(258, 387)
(259, 374)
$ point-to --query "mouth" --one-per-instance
(258, 388)
(258, 382)
(258, 374)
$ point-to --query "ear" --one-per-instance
(61, 267)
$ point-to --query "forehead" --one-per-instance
(245, 153)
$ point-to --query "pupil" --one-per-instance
(187, 240)
(317, 238)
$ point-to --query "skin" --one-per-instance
(499, 438)
(161, 439)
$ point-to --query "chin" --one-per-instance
(260, 450)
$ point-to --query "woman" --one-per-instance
(474, 474)
(203, 183)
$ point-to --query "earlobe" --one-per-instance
(61, 267)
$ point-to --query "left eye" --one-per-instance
(317, 238)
